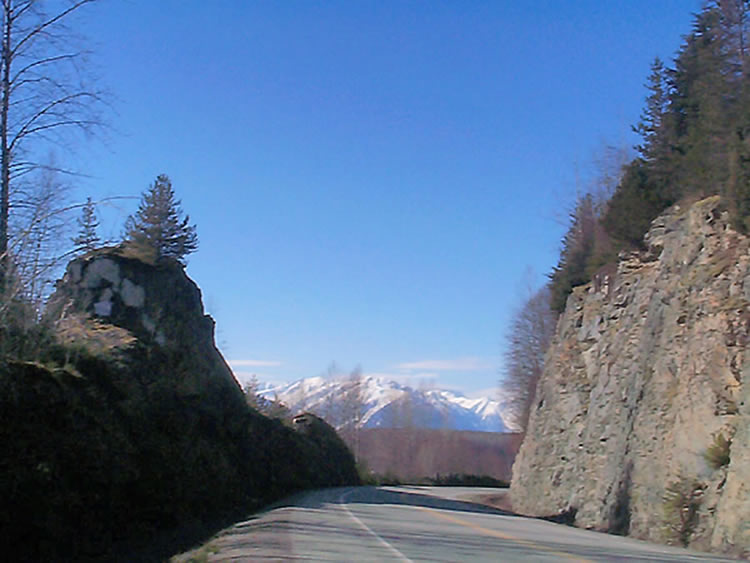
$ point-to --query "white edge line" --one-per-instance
(369, 530)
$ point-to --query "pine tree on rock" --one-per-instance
(703, 102)
(652, 123)
(158, 224)
(87, 238)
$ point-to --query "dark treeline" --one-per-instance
(695, 130)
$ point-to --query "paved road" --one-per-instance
(415, 524)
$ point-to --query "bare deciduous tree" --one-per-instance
(42, 223)
(529, 337)
(44, 94)
(352, 409)
(608, 164)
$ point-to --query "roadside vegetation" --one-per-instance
(682, 499)
(717, 455)
(464, 480)
(451, 480)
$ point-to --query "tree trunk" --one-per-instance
(5, 159)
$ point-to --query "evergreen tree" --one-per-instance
(735, 23)
(695, 131)
(658, 130)
(738, 182)
(652, 122)
(634, 205)
(87, 238)
(736, 15)
(693, 127)
(578, 244)
(703, 105)
(158, 224)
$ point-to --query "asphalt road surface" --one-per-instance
(415, 524)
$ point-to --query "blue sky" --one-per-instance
(371, 181)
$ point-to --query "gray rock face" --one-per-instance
(643, 376)
(162, 309)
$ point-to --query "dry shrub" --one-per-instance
(682, 499)
(97, 339)
(717, 454)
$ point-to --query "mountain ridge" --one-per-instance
(388, 404)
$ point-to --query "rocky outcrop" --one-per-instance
(161, 309)
(641, 422)
(131, 426)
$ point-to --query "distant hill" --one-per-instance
(416, 453)
(388, 404)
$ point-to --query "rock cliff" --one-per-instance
(131, 426)
(160, 309)
(641, 422)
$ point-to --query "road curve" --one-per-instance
(413, 524)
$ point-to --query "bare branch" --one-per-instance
(41, 28)
(44, 99)
(38, 63)
(28, 129)
(76, 122)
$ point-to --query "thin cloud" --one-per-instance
(265, 379)
(253, 363)
(493, 393)
(382, 374)
(412, 379)
(461, 364)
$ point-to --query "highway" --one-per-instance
(414, 524)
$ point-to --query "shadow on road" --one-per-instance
(379, 495)
(335, 497)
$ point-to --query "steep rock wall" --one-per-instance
(648, 368)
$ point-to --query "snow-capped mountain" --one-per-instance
(379, 403)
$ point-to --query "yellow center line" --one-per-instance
(495, 533)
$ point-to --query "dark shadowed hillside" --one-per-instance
(129, 425)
